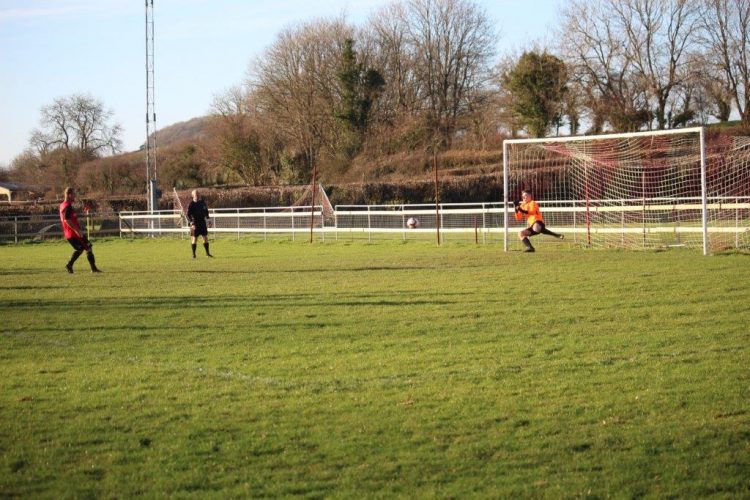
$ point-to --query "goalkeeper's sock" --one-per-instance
(528, 245)
(193, 247)
(550, 233)
(205, 245)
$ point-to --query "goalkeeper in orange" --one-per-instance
(529, 208)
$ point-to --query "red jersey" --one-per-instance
(69, 218)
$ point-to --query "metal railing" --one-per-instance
(627, 222)
(20, 228)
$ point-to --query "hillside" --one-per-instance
(195, 129)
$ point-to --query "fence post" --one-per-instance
(737, 224)
(15, 229)
(484, 224)
(403, 222)
(322, 224)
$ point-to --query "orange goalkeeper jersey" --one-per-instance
(532, 213)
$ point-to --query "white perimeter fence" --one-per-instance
(17, 228)
(657, 222)
(654, 223)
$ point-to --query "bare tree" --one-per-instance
(77, 123)
(388, 32)
(726, 38)
(659, 35)
(240, 148)
(631, 57)
(600, 65)
(295, 84)
(451, 42)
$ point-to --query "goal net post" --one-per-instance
(638, 190)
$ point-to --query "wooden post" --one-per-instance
(437, 195)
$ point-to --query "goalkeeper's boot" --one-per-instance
(69, 267)
(528, 245)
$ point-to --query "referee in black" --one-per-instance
(197, 215)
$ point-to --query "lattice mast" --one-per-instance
(150, 110)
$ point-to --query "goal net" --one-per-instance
(635, 191)
(179, 208)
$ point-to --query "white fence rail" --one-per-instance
(657, 221)
(19, 228)
(350, 221)
(650, 223)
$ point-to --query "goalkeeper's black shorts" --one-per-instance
(531, 228)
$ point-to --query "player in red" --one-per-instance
(74, 235)
(529, 208)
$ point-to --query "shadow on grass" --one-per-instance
(280, 301)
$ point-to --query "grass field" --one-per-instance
(376, 370)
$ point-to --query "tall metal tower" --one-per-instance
(151, 189)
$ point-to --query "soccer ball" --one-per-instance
(412, 223)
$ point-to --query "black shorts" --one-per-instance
(80, 244)
(531, 228)
(199, 230)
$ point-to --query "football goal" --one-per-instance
(635, 191)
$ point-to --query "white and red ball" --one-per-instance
(412, 223)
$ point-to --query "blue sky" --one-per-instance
(56, 48)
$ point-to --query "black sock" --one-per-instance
(193, 245)
(74, 257)
(92, 261)
(527, 243)
(205, 245)
(550, 233)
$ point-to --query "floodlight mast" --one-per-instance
(151, 190)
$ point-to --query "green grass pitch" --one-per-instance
(378, 370)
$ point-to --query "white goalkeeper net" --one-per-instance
(640, 190)
(180, 209)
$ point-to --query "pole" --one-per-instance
(437, 195)
(150, 111)
(505, 196)
(704, 194)
(312, 203)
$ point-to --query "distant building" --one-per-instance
(15, 191)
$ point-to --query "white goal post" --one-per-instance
(637, 190)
